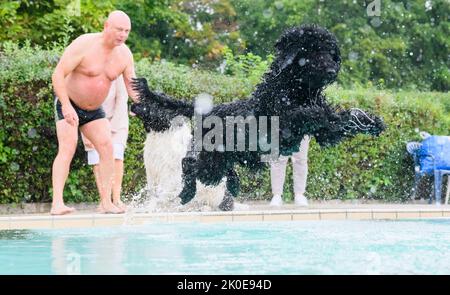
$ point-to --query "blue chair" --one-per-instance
(432, 157)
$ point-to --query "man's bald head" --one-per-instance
(117, 27)
(118, 16)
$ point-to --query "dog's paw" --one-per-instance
(227, 203)
(186, 195)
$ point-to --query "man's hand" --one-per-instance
(70, 115)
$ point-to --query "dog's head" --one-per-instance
(310, 55)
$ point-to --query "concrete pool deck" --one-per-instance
(248, 211)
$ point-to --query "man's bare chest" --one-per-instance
(95, 64)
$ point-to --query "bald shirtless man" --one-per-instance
(81, 82)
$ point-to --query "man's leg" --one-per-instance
(94, 159)
(67, 143)
(119, 152)
(117, 186)
(99, 133)
(97, 177)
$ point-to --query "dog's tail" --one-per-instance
(179, 107)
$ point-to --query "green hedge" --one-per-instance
(364, 167)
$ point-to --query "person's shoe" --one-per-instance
(276, 201)
(301, 201)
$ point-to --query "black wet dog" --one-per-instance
(307, 59)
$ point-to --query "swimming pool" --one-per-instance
(294, 247)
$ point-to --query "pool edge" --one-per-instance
(101, 220)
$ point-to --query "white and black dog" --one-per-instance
(163, 155)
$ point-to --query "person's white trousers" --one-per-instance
(300, 170)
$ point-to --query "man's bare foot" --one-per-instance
(120, 205)
(61, 210)
(109, 209)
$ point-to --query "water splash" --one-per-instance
(203, 103)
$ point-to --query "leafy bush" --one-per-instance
(247, 66)
(375, 168)
(406, 46)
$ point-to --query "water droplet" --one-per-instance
(267, 13)
(203, 103)
(353, 55)
(14, 166)
(286, 133)
(375, 22)
(279, 5)
(32, 133)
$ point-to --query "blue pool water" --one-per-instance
(303, 247)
